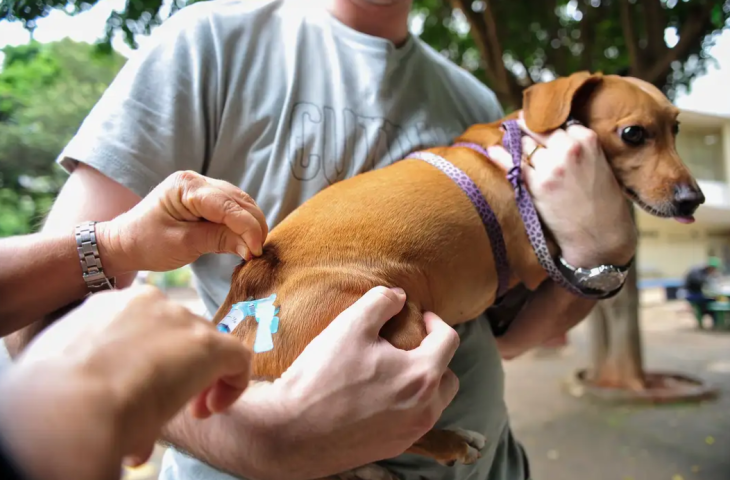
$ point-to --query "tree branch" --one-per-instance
(694, 28)
(655, 21)
(479, 32)
(587, 35)
(494, 44)
(486, 37)
(632, 44)
(555, 56)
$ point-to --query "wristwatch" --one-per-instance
(91, 268)
(602, 281)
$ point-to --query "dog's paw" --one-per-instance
(371, 471)
(473, 441)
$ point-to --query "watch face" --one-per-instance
(603, 279)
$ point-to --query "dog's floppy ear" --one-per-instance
(546, 106)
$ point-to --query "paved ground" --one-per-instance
(575, 439)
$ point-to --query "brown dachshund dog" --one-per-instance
(409, 225)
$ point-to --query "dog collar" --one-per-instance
(489, 219)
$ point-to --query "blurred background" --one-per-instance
(639, 390)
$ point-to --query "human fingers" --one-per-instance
(140, 455)
(218, 238)
(225, 374)
(371, 311)
(216, 206)
(221, 395)
(586, 137)
(245, 200)
(500, 156)
(440, 343)
(556, 140)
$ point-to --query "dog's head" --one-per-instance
(636, 126)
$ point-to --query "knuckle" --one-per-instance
(186, 182)
(427, 420)
(185, 177)
(573, 151)
(147, 295)
(246, 198)
(590, 137)
(150, 291)
(452, 339)
(169, 312)
(550, 186)
(203, 335)
(230, 207)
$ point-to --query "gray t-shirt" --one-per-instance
(283, 100)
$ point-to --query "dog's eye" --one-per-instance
(633, 135)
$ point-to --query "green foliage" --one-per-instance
(179, 278)
(46, 90)
(535, 39)
(138, 17)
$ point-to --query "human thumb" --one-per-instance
(373, 310)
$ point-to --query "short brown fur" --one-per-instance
(409, 225)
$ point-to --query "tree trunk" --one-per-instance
(617, 360)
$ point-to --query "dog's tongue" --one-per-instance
(685, 220)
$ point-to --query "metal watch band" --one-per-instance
(599, 282)
(91, 267)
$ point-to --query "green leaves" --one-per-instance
(46, 90)
(539, 40)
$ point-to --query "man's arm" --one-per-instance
(551, 311)
(292, 429)
(42, 273)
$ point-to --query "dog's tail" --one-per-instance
(254, 279)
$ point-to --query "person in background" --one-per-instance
(700, 285)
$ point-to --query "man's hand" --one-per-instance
(184, 217)
(349, 399)
(577, 196)
(356, 395)
(107, 378)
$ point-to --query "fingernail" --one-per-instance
(259, 251)
(398, 290)
(244, 253)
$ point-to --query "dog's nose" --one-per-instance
(687, 198)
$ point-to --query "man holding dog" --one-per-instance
(279, 100)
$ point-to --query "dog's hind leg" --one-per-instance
(406, 331)
(450, 446)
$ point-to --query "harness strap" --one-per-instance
(489, 219)
(513, 144)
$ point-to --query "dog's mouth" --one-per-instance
(657, 212)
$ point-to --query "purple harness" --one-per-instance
(513, 143)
